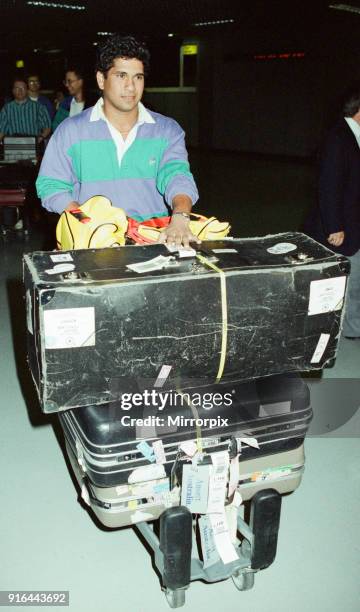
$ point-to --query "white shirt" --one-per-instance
(76, 107)
(354, 127)
(121, 145)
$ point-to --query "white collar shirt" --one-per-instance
(122, 145)
(354, 127)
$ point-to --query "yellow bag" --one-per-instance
(205, 228)
(106, 228)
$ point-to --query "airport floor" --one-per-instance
(49, 541)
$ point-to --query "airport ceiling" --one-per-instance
(50, 24)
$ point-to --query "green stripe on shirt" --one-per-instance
(169, 171)
(98, 161)
(47, 186)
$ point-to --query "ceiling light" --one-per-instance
(217, 22)
(105, 33)
(71, 7)
(345, 7)
(170, 35)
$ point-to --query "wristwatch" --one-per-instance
(183, 214)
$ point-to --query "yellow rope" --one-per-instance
(208, 263)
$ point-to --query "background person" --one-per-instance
(22, 116)
(336, 219)
(35, 95)
(78, 99)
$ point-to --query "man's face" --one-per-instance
(20, 91)
(124, 84)
(33, 84)
(73, 83)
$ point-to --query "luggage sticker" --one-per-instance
(282, 247)
(326, 295)
(60, 268)
(29, 312)
(147, 472)
(146, 450)
(61, 257)
(159, 451)
(162, 376)
(320, 348)
(69, 327)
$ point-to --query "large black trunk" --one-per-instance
(245, 308)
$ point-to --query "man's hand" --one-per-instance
(336, 239)
(178, 233)
(72, 206)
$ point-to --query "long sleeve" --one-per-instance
(56, 178)
(332, 181)
(174, 176)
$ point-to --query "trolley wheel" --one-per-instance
(176, 598)
(244, 581)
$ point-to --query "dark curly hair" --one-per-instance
(118, 45)
(351, 104)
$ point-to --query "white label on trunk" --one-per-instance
(61, 257)
(224, 250)
(60, 268)
(163, 374)
(181, 251)
(326, 295)
(282, 247)
(320, 348)
(157, 263)
(29, 312)
(69, 327)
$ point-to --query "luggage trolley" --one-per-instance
(173, 550)
(103, 458)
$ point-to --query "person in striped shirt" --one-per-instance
(121, 150)
(22, 116)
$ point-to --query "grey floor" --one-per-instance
(48, 541)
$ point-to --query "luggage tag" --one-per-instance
(195, 487)
(218, 480)
(208, 546)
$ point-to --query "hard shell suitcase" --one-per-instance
(237, 310)
(124, 505)
(121, 483)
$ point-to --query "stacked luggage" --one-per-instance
(177, 387)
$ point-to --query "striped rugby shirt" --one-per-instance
(27, 118)
(81, 161)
